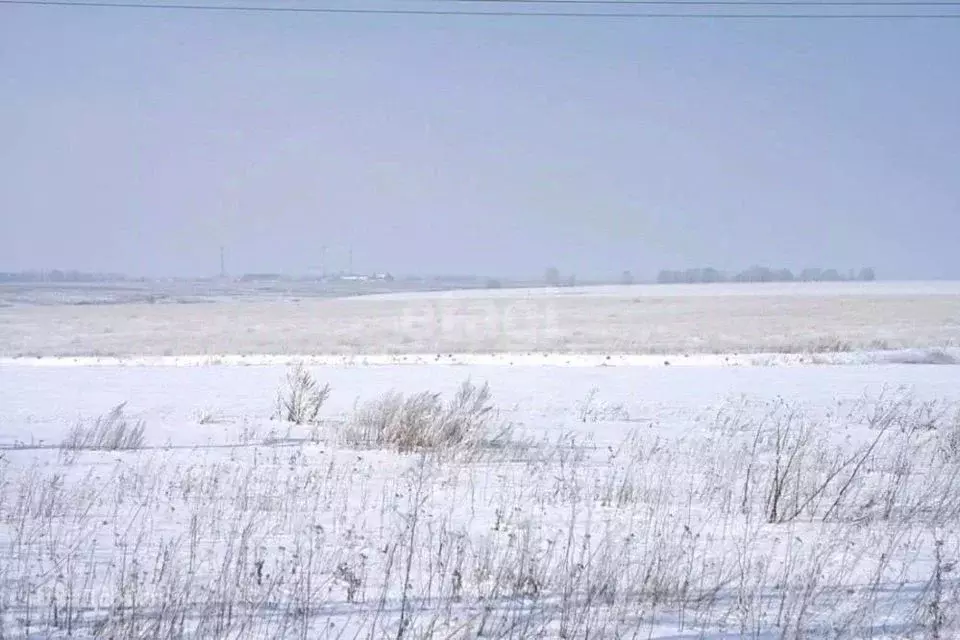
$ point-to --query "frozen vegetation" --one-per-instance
(479, 501)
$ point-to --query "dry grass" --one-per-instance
(664, 533)
(211, 416)
(590, 409)
(722, 321)
(423, 421)
(111, 432)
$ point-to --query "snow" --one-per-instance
(249, 497)
(594, 323)
(658, 485)
(934, 356)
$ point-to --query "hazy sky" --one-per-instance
(141, 141)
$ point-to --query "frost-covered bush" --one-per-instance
(423, 421)
(300, 399)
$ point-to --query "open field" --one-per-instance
(576, 496)
(593, 502)
(620, 320)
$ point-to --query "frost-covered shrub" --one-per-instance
(300, 399)
(423, 420)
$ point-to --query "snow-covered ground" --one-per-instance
(718, 319)
(622, 501)
(648, 465)
(932, 356)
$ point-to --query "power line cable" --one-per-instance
(759, 3)
(507, 13)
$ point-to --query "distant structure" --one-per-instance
(262, 277)
(223, 264)
(359, 277)
(333, 268)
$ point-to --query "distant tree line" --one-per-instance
(763, 274)
(553, 279)
(56, 275)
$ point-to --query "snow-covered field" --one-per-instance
(638, 319)
(586, 497)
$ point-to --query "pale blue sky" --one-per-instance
(140, 141)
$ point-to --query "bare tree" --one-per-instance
(552, 276)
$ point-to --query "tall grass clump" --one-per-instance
(301, 397)
(949, 438)
(423, 421)
(110, 432)
(592, 410)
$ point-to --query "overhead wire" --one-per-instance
(577, 14)
(629, 3)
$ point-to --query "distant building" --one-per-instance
(261, 277)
